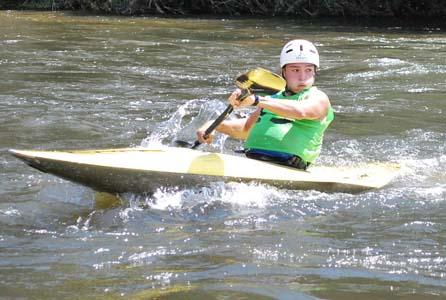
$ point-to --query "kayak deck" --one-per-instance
(142, 170)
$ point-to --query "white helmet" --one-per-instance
(299, 51)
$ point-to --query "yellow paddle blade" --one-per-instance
(262, 79)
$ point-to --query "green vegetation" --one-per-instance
(28, 4)
(310, 8)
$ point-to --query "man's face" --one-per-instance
(299, 76)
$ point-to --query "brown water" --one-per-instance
(72, 81)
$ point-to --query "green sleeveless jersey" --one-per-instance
(298, 137)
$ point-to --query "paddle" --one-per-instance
(259, 81)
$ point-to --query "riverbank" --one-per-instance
(406, 10)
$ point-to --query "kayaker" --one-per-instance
(288, 127)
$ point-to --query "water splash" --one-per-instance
(184, 122)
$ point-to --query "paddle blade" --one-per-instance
(182, 144)
(261, 79)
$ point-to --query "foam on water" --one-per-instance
(235, 194)
(405, 69)
(385, 62)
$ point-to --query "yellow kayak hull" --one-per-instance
(142, 170)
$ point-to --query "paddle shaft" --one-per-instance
(245, 93)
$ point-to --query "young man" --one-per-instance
(288, 127)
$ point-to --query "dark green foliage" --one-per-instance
(28, 4)
(312, 8)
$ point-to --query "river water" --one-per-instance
(79, 82)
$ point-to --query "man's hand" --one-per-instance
(201, 134)
(237, 103)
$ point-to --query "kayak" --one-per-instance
(145, 170)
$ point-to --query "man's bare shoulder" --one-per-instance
(318, 95)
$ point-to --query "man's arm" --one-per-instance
(314, 107)
(236, 128)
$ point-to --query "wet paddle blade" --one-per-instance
(261, 79)
(182, 144)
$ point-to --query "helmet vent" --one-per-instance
(301, 47)
(288, 51)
